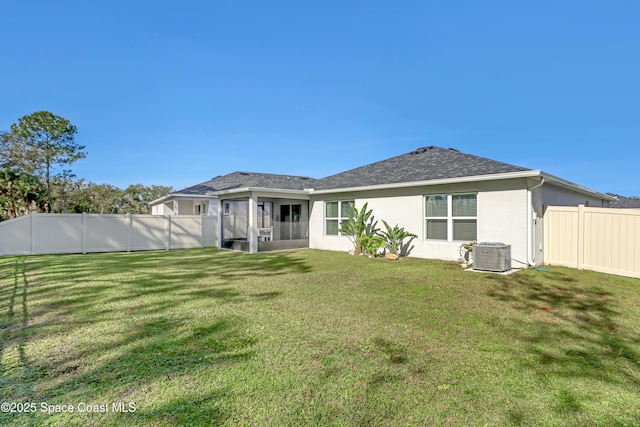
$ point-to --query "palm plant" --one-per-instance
(393, 237)
(356, 226)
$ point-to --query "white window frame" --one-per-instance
(449, 218)
(338, 218)
(200, 208)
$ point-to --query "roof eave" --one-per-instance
(572, 186)
(257, 190)
(457, 180)
(179, 196)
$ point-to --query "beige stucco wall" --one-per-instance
(502, 216)
(186, 206)
(552, 195)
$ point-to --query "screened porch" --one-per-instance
(259, 224)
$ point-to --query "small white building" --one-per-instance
(444, 196)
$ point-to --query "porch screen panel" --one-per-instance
(296, 213)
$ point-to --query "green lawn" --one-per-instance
(202, 337)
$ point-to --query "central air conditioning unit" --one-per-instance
(492, 256)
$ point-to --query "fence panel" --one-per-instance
(15, 236)
(210, 231)
(611, 241)
(561, 236)
(599, 239)
(58, 234)
(106, 233)
(186, 232)
(148, 232)
(81, 233)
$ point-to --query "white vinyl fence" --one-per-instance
(82, 233)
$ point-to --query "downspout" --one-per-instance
(531, 235)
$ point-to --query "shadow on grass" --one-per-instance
(183, 275)
(573, 331)
(74, 292)
(184, 411)
(15, 367)
(161, 350)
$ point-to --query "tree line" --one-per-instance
(33, 178)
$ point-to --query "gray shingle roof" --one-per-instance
(624, 202)
(250, 179)
(423, 164)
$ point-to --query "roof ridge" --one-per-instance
(486, 158)
(423, 163)
(266, 173)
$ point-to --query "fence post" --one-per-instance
(202, 230)
(168, 245)
(33, 234)
(545, 237)
(129, 232)
(84, 232)
(580, 237)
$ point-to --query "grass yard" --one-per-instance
(204, 337)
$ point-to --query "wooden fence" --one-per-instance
(83, 233)
(598, 239)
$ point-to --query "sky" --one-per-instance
(175, 93)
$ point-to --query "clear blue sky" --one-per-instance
(174, 93)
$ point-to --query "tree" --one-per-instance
(20, 194)
(64, 186)
(104, 199)
(15, 153)
(50, 140)
(91, 198)
(136, 197)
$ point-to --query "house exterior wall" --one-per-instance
(179, 206)
(165, 208)
(185, 207)
(552, 195)
(502, 216)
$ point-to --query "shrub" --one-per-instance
(394, 237)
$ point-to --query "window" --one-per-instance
(336, 212)
(451, 217)
(200, 208)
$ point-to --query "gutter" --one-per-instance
(531, 235)
(304, 192)
(179, 196)
(461, 179)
